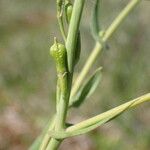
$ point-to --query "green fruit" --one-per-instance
(58, 52)
(68, 11)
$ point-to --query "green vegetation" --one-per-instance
(122, 78)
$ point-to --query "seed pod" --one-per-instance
(68, 11)
(58, 52)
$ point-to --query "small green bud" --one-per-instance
(68, 11)
(58, 52)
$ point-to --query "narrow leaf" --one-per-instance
(94, 23)
(88, 89)
(98, 120)
(63, 135)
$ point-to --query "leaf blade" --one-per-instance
(110, 113)
(95, 28)
(88, 89)
(63, 135)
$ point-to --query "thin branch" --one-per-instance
(98, 47)
(73, 32)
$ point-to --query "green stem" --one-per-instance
(98, 47)
(59, 4)
(53, 144)
(62, 104)
(73, 32)
(71, 42)
(61, 110)
(46, 138)
(70, 45)
(40, 141)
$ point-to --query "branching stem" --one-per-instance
(70, 45)
(98, 47)
(67, 81)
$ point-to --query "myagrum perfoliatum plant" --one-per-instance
(66, 55)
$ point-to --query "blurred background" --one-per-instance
(28, 77)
